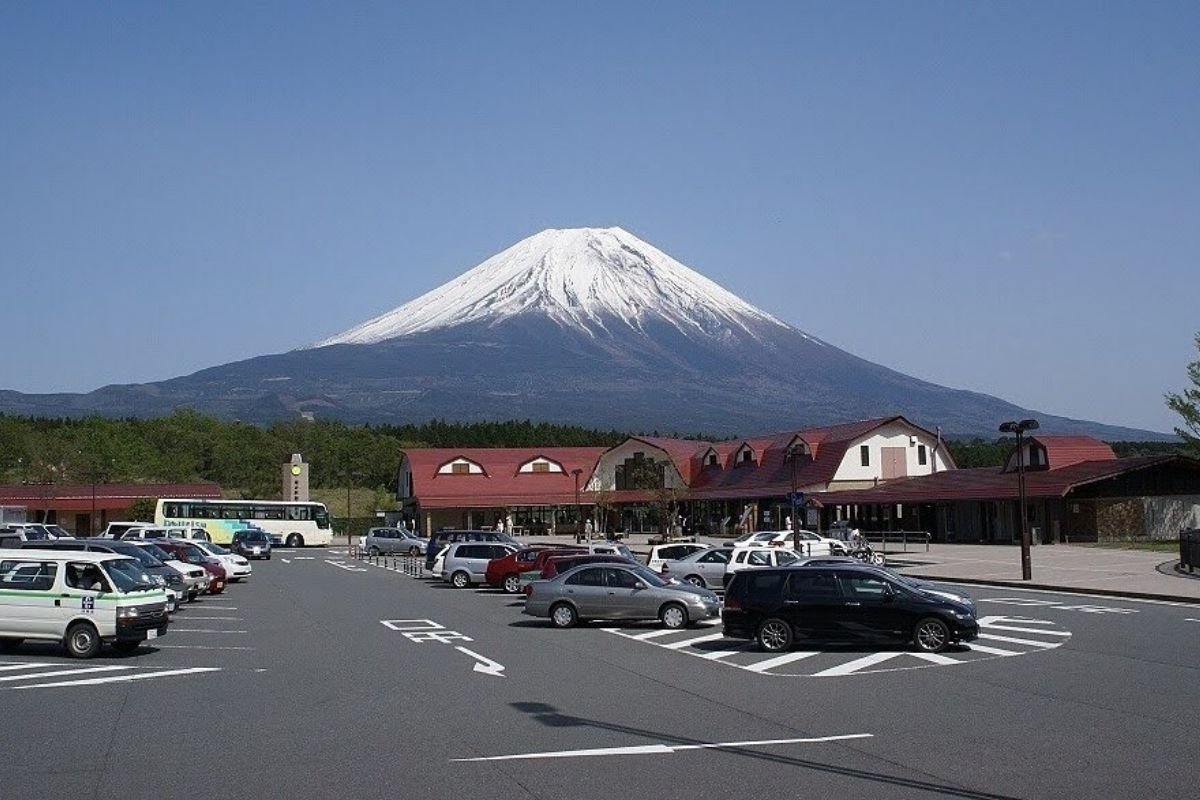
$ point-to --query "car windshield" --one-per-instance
(128, 576)
(35, 535)
(254, 537)
(649, 576)
(785, 556)
(158, 552)
(58, 531)
(140, 554)
(215, 549)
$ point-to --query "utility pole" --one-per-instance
(1019, 428)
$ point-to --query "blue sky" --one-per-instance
(999, 197)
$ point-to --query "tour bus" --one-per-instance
(293, 524)
(80, 599)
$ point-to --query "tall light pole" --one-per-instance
(793, 453)
(1019, 428)
(578, 512)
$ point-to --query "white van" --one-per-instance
(81, 599)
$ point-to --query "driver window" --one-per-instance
(760, 559)
(620, 579)
(86, 577)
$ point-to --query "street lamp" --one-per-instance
(578, 515)
(1019, 429)
(793, 454)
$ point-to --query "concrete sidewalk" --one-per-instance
(1076, 568)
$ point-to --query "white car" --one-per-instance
(758, 557)
(236, 567)
(194, 578)
(190, 534)
(671, 552)
(810, 543)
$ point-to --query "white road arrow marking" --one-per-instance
(485, 665)
(347, 567)
(661, 749)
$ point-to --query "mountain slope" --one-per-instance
(588, 326)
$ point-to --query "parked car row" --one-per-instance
(116, 591)
(774, 595)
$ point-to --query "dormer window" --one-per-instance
(541, 465)
(711, 460)
(461, 466)
(745, 455)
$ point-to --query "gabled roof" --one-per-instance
(682, 452)
(1063, 451)
(503, 485)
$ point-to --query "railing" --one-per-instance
(903, 538)
(396, 562)
(1189, 549)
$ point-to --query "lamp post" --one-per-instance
(1019, 428)
(578, 515)
(793, 453)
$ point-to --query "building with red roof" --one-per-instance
(86, 507)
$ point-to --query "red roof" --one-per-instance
(1063, 451)
(502, 485)
(78, 497)
(991, 483)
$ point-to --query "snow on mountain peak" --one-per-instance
(583, 278)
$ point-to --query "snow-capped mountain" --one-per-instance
(588, 326)
(588, 279)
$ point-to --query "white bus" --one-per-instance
(292, 524)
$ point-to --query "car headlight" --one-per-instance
(127, 613)
(159, 580)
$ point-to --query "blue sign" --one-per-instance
(797, 499)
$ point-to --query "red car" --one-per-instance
(190, 554)
(505, 573)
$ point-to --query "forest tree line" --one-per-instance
(188, 446)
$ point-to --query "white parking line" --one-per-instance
(1014, 640)
(661, 749)
(995, 651)
(25, 665)
(219, 619)
(652, 634)
(850, 667)
(207, 607)
(935, 658)
(118, 678)
(708, 637)
(57, 673)
(203, 630)
(1016, 629)
(715, 654)
(779, 661)
(198, 647)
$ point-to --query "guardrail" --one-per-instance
(396, 562)
(1189, 549)
(903, 538)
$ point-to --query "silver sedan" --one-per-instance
(618, 591)
(704, 568)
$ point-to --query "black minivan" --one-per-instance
(843, 603)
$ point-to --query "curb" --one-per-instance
(1046, 587)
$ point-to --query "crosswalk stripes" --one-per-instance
(711, 645)
(35, 675)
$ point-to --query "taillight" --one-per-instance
(731, 600)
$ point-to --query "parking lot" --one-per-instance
(326, 676)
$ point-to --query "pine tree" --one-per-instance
(1187, 406)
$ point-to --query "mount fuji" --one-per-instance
(583, 325)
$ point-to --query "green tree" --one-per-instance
(1187, 405)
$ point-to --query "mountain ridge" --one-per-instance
(583, 326)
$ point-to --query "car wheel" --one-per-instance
(774, 635)
(373, 550)
(267, 556)
(127, 647)
(8, 645)
(696, 580)
(931, 635)
(192, 596)
(460, 580)
(512, 584)
(82, 640)
(295, 540)
(878, 559)
(414, 551)
(673, 616)
(563, 615)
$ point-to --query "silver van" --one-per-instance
(466, 562)
(81, 599)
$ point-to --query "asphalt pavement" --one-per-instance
(325, 677)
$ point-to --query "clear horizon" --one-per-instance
(999, 198)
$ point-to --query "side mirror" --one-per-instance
(639, 585)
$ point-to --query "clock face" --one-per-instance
(296, 469)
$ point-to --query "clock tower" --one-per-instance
(295, 479)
